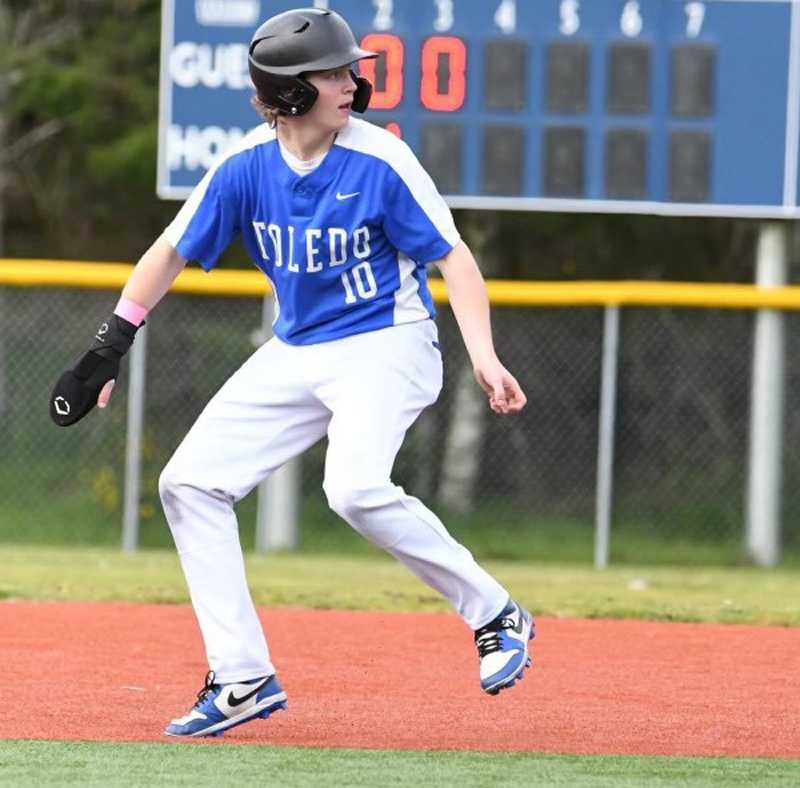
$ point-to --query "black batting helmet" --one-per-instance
(290, 44)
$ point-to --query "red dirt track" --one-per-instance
(386, 680)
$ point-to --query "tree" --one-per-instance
(82, 124)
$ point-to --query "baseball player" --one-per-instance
(342, 219)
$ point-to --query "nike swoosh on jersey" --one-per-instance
(234, 701)
(340, 196)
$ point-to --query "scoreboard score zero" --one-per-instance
(639, 106)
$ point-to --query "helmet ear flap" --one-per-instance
(363, 93)
(292, 96)
(298, 97)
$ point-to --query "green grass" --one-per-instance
(733, 595)
(740, 595)
(28, 763)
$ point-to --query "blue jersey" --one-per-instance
(345, 247)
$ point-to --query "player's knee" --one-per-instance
(350, 501)
(361, 508)
(340, 498)
(171, 482)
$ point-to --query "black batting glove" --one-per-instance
(77, 389)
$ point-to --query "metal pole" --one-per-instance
(279, 493)
(766, 408)
(605, 440)
(133, 449)
(280, 503)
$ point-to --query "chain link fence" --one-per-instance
(519, 487)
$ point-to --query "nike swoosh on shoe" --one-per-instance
(234, 701)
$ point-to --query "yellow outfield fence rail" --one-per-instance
(105, 276)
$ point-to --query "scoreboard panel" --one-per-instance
(683, 107)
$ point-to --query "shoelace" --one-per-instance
(487, 638)
(209, 686)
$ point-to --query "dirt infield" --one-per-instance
(388, 680)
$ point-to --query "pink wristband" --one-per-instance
(131, 311)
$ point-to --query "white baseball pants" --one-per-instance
(364, 391)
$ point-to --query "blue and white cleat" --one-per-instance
(503, 648)
(220, 707)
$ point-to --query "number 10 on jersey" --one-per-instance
(359, 280)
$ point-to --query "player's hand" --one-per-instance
(91, 380)
(105, 394)
(505, 394)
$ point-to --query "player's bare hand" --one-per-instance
(105, 394)
(505, 394)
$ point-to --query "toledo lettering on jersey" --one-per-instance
(333, 246)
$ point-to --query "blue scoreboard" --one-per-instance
(682, 107)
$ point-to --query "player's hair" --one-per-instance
(270, 114)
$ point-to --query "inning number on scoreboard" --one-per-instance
(569, 17)
(383, 14)
(695, 15)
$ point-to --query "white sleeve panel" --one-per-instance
(366, 138)
(177, 227)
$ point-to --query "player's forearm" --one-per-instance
(469, 301)
(153, 275)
